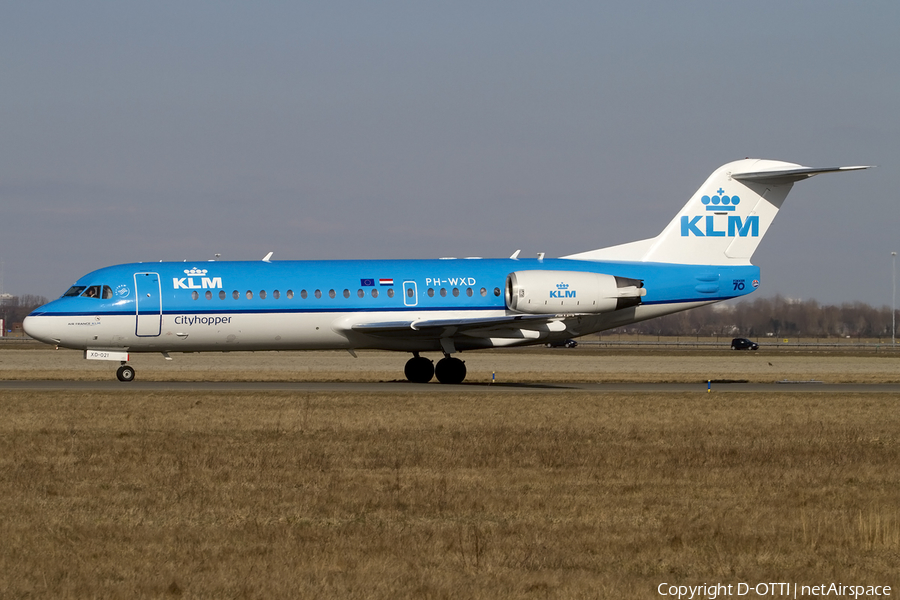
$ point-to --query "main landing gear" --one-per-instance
(448, 370)
(419, 369)
(125, 373)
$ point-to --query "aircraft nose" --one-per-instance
(40, 328)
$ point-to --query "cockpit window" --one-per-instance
(92, 292)
(95, 291)
(73, 291)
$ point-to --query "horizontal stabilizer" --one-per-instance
(782, 176)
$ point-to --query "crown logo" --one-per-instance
(720, 202)
(195, 272)
(562, 286)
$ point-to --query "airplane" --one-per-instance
(427, 305)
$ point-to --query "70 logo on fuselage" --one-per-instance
(735, 226)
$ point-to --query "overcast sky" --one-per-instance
(177, 130)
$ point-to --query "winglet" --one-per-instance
(268, 257)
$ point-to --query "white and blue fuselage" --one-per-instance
(447, 305)
(302, 305)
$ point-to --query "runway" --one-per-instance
(401, 387)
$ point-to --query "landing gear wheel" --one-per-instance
(419, 369)
(125, 373)
(450, 370)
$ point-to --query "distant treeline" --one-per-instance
(15, 309)
(750, 318)
(778, 316)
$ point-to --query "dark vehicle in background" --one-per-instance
(743, 344)
(563, 344)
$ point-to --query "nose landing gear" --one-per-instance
(125, 373)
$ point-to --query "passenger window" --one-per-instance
(208, 295)
(409, 292)
(390, 292)
(455, 292)
(331, 294)
(318, 294)
(290, 294)
(222, 295)
(236, 294)
(276, 294)
(361, 293)
(483, 292)
(195, 295)
(469, 292)
(346, 293)
(262, 294)
(430, 292)
(496, 291)
(374, 293)
(443, 292)
(249, 295)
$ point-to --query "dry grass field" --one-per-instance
(455, 495)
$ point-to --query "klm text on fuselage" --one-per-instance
(711, 227)
(188, 283)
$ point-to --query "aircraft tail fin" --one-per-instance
(724, 220)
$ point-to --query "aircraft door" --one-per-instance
(410, 295)
(148, 297)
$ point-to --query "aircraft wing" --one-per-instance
(441, 327)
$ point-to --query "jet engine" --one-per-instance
(551, 292)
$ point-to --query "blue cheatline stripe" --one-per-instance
(399, 309)
(686, 300)
(274, 311)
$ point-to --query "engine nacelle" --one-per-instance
(552, 292)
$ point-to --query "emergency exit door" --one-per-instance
(410, 294)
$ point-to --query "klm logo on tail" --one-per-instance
(720, 223)
(711, 227)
